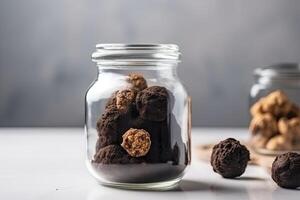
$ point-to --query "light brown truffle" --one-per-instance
(137, 81)
(284, 127)
(277, 104)
(256, 108)
(279, 142)
(290, 128)
(277, 97)
(264, 125)
(136, 142)
(124, 98)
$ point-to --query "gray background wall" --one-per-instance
(45, 49)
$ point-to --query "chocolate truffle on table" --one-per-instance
(136, 142)
(152, 103)
(114, 154)
(229, 158)
(286, 170)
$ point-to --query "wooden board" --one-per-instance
(203, 152)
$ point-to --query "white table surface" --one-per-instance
(48, 163)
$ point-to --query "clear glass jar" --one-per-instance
(137, 117)
(274, 108)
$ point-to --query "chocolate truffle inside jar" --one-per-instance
(113, 154)
(115, 120)
(124, 99)
(152, 103)
(161, 137)
(286, 170)
(136, 142)
(229, 158)
(137, 81)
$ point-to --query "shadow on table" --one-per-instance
(189, 185)
(250, 178)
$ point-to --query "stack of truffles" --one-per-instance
(276, 123)
(135, 126)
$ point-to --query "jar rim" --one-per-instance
(279, 70)
(136, 54)
(149, 46)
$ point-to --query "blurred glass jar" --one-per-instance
(274, 108)
(137, 117)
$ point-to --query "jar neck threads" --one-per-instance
(136, 55)
(282, 73)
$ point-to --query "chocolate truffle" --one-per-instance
(111, 126)
(137, 81)
(152, 103)
(136, 142)
(286, 170)
(229, 158)
(256, 108)
(265, 125)
(162, 134)
(124, 99)
(111, 102)
(279, 142)
(114, 154)
(277, 103)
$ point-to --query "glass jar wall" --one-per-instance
(137, 117)
(274, 108)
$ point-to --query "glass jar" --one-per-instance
(137, 117)
(274, 108)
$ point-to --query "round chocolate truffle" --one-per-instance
(137, 81)
(286, 170)
(124, 99)
(110, 126)
(229, 158)
(114, 154)
(136, 142)
(152, 103)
